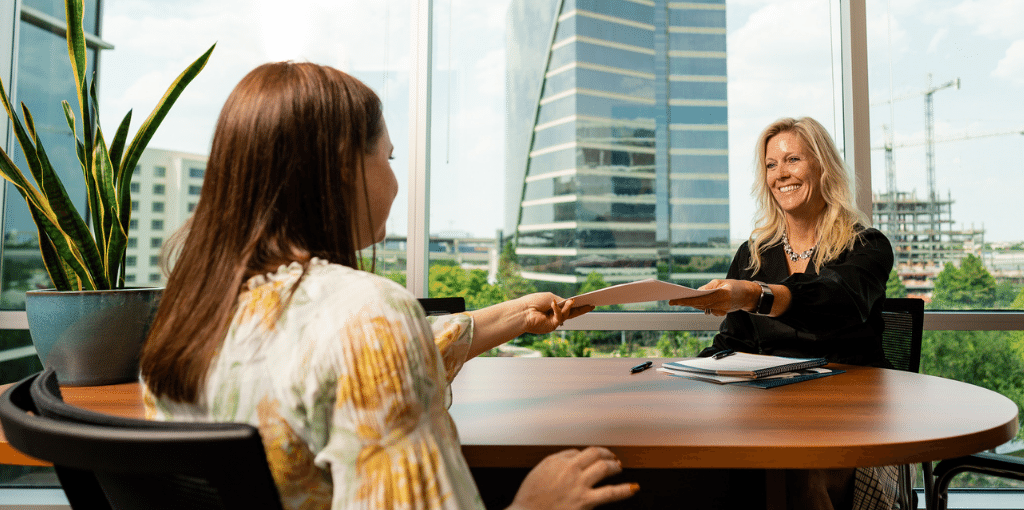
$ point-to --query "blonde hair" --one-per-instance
(837, 226)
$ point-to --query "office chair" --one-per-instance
(443, 306)
(107, 462)
(901, 341)
(985, 463)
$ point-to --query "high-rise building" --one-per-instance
(617, 149)
(165, 190)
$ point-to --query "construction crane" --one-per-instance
(889, 145)
(929, 134)
(929, 126)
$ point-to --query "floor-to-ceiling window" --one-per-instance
(575, 144)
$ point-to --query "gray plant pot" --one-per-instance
(91, 337)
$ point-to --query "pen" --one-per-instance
(722, 354)
(641, 367)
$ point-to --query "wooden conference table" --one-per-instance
(512, 412)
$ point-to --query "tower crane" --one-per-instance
(929, 126)
(929, 129)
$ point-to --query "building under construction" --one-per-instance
(923, 237)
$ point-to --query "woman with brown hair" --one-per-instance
(268, 319)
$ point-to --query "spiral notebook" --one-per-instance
(745, 365)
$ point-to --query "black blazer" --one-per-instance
(835, 315)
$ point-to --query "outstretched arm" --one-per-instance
(536, 313)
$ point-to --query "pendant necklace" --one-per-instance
(796, 256)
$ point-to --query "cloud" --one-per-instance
(991, 18)
(1011, 66)
(937, 39)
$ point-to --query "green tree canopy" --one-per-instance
(454, 281)
(510, 275)
(966, 287)
(894, 288)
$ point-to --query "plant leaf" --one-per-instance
(51, 260)
(68, 223)
(90, 121)
(69, 115)
(148, 127)
(74, 14)
(79, 148)
(113, 241)
(46, 225)
(117, 145)
(30, 134)
(19, 130)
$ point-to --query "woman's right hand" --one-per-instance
(565, 481)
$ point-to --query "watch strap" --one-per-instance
(767, 299)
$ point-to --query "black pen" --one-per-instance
(722, 354)
(641, 367)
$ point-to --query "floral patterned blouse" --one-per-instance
(348, 385)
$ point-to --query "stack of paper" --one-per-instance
(749, 369)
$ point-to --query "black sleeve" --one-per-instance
(845, 291)
(736, 331)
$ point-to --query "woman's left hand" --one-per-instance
(542, 313)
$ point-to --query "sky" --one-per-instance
(780, 55)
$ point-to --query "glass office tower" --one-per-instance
(618, 140)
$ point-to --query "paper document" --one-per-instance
(742, 364)
(637, 292)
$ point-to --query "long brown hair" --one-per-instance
(285, 165)
(837, 225)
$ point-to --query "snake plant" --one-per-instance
(81, 255)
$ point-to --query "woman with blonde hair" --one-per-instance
(809, 282)
(268, 319)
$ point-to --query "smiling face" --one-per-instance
(793, 176)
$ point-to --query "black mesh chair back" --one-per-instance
(138, 464)
(901, 339)
(443, 306)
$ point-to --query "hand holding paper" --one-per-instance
(637, 292)
(723, 296)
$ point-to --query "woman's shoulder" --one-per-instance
(334, 282)
(870, 235)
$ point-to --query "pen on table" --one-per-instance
(722, 354)
(641, 367)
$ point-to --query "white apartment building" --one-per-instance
(165, 190)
